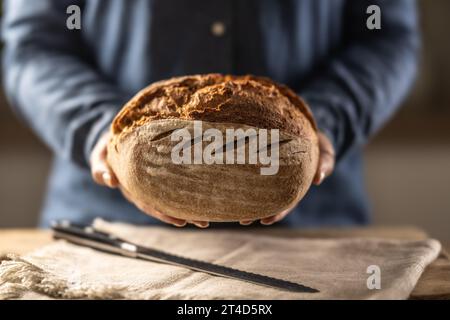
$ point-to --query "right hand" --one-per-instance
(103, 175)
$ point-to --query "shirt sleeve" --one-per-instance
(50, 81)
(361, 86)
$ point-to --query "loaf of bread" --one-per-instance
(140, 151)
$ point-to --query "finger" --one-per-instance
(109, 178)
(325, 168)
(275, 218)
(178, 224)
(104, 176)
(96, 160)
(200, 224)
(246, 222)
(269, 220)
(170, 220)
(163, 217)
(100, 171)
(319, 177)
(326, 159)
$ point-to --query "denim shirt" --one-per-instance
(68, 84)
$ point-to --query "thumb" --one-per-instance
(326, 159)
(100, 170)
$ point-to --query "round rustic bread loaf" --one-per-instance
(140, 149)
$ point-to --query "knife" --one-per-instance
(90, 237)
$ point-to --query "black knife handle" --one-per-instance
(85, 232)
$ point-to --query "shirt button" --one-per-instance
(218, 28)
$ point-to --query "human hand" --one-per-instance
(324, 169)
(103, 175)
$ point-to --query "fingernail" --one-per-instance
(106, 178)
(322, 177)
(266, 223)
(179, 225)
(202, 224)
(245, 223)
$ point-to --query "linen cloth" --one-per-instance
(337, 267)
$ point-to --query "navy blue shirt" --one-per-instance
(69, 84)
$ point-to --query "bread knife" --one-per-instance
(88, 236)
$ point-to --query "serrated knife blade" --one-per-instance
(90, 237)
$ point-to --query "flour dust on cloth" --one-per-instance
(337, 267)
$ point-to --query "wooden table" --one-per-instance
(434, 283)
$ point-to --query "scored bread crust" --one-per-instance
(139, 149)
(249, 100)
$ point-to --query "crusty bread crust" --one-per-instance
(139, 150)
(246, 99)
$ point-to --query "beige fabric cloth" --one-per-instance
(337, 267)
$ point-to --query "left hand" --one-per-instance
(324, 169)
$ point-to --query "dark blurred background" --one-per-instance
(407, 164)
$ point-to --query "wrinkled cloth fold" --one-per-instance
(337, 267)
